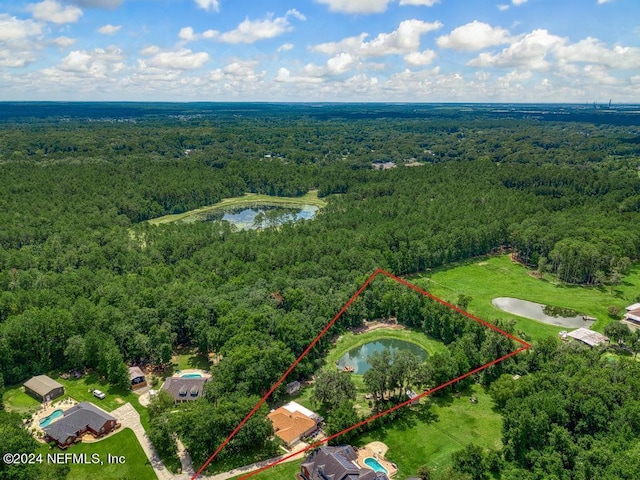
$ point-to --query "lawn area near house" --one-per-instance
(80, 389)
(484, 279)
(426, 436)
(431, 436)
(284, 471)
(187, 359)
(15, 400)
(123, 443)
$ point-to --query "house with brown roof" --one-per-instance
(43, 388)
(78, 420)
(185, 389)
(337, 463)
(293, 422)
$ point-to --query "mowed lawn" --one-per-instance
(122, 444)
(429, 437)
(426, 436)
(490, 277)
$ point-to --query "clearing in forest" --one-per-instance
(523, 346)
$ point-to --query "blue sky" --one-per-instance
(321, 50)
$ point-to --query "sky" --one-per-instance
(575, 51)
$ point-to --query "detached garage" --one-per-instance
(43, 388)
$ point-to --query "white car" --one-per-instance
(98, 394)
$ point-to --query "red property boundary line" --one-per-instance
(379, 271)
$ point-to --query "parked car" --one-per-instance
(98, 394)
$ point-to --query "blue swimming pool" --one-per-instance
(192, 375)
(374, 465)
(50, 418)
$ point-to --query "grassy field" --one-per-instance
(431, 436)
(285, 471)
(124, 443)
(247, 200)
(490, 277)
(15, 400)
(427, 436)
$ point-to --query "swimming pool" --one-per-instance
(191, 375)
(50, 418)
(374, 465)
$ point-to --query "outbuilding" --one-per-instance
(43, 388)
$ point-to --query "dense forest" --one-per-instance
(86, 282)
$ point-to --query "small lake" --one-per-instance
(357, 357)
(263, 216)
(560, 317)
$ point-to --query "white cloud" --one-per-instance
(284, 76)
(592, 50)
(425, 3)
(209, 5)
(285, 47)
(12, 28)
(529, 51)
(183, 59)
(600, 2)
(54, 12)
(250, 31)
(503, 6)
(97, 63)
(99, 3)
(356, 6)
(405, 39)
(109, 29)
(64, 42)
(420, 58)
(474, 36)
(519, 2)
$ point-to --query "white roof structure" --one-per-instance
(635, 306)
(296, 407)
(587, 336)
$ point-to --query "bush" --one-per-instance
(614, 312)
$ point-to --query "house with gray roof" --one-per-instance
(337, 463)
(184, 389)
(137, 378)
(43, 388)
(78, 420)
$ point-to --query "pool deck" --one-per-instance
(45, 410)
(193, 370)
(376, 450)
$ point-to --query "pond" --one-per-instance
(262, 216)
(561, 317)
(356, 358)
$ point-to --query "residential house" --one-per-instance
(185, 389)
(337, 463)
(293, 422)
(78, 420)
(43, 388)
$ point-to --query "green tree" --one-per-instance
(471, 460)
(340, 418)
(333, 388)
(75, 352)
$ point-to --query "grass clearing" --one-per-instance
(429, 437)
(15, 400)
(123, 443)
(426, 436)
(247, 200)
(489, 277)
